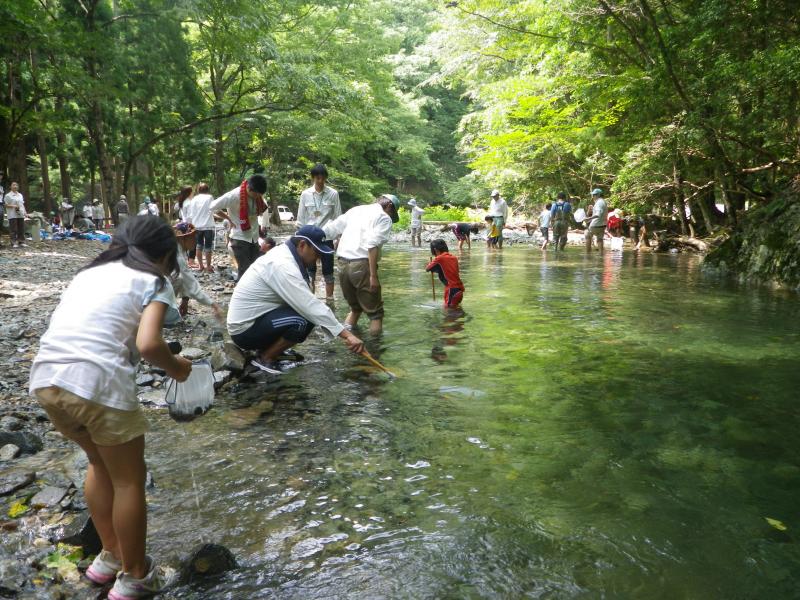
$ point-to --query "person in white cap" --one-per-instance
(273, 307)
(498, 210)
(416, 223)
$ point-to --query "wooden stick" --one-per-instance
(368, 356)
(433, 284)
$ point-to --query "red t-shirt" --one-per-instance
(446, 267)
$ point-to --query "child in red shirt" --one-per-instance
(445, 265)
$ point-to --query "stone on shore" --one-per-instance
(8, 452)
(9, 423)
(81, 532)
(27, 442)
(15, 481)
(228, 358)
(48, 497)
(194, 353)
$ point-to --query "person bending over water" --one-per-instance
(83, 376)
(445, 265)
(273, 307)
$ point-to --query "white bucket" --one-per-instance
(194, 396)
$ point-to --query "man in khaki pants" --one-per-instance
(364, 230)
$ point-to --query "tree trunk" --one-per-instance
(219, 158)
(677, 182)
(707, 220)
(48, 205)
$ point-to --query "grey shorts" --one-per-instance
(596, 232)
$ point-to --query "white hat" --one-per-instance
(495, 193)
(412, 202)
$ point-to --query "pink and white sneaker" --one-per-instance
(104, 568)
(130, 588)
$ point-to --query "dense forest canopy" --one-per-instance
(666, 103)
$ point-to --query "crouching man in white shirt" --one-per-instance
(273, 307)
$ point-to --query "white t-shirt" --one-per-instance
(362, 227)
(416, 216)
(230, 203)
(98, 212)
(498, 208)
(544, 218)
(272, 281)
(87, 211)
(89, 347)
(15, 205)
(200, 214)
(317, 208)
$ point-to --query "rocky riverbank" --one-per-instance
(765, 248)
(43, 513)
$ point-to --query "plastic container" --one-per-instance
(192, 398)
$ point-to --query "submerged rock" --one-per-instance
(206, 561)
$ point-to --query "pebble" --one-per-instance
(194, 353)
(9, 451)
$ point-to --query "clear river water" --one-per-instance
(617, 427)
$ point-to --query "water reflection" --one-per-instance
(584, 427)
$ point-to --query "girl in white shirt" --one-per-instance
(84, 377)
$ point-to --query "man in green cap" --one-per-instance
(364, 230)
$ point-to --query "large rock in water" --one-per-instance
(764, 248)
(206, 561)
(228, 358)
(27, 442)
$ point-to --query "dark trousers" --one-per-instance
(245, 254)
(283, 322)
(327, 268)
(17, 230)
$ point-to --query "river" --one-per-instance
(604, 427)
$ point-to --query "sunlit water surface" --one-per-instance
(617, 427)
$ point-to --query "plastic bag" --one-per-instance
(617, 243)
(194, 396)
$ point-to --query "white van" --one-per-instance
(285, 214)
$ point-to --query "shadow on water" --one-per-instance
(583, 427)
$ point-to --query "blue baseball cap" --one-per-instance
(597, 192)
(314, 236)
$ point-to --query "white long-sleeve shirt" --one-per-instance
(200, 214)
(15, 205)
(498, 208)
(318, 208)
(362, 227)
(272, 281)
(229, 201)
(185, 284)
